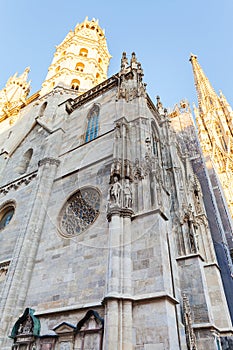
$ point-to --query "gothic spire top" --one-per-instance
(24, 75)
(205, 92)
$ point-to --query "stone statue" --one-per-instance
(115, 191)
(127, 191)
(28, 326)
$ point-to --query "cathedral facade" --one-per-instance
(106, 237)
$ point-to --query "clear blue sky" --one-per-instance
(163, 33)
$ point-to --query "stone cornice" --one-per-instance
(24, 180)
(151, 297)
(97, 90)
(144, 298)
(151, 212)
(123, 212)
(69, 308)
(212, 326)
(190, 256)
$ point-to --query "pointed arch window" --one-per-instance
(6, 214)
(220, 136)
(92, 124)
(155, 141)
(24, 164)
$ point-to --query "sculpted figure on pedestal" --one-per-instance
(127, 191)
(115, 190)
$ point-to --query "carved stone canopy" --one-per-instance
(91, 320)
(26, 325)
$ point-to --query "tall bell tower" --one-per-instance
(214, 118)
(81, 61)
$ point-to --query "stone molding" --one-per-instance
(151, 212)
(191, 256)
(98, 90)
(16, 184)
(141, 298)
(49, 161)
(118, 211)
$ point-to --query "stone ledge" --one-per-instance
(211, 265)
(68, 308)
(151, 212)
(141, 298)
(14, 185)
(134, 299)
(212, 326)
(191, 256)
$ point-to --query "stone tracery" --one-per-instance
(80, 211)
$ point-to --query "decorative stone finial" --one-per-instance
(124, 61)
(131, 84)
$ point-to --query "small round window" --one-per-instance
(6, 215)
(80, 211)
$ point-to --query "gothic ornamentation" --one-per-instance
(138, 173)
(115, 193)
(16, 184)
(91, 60)
(4, 266)
(50, 161)
(80, 211)
(120, 195)
(188, 223)
(190, 336)
(213, 117)
(130, 83)
(127, 194)
(14, 95)
(26, 325)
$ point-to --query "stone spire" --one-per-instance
(13, 95)
(214, 118)
(81, 61)
(205, 92)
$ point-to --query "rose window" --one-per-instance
(80, 211)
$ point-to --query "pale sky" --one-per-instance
(163, 33)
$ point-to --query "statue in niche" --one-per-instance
(197, 202)
(192, 242)
(115, 191)
(26, 328)
(188, 229)
(127, 191)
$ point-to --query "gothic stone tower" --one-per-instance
(81, 61)
(215, 130)
(104, 240)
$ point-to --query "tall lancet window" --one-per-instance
(93, 123)
(155, 140)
